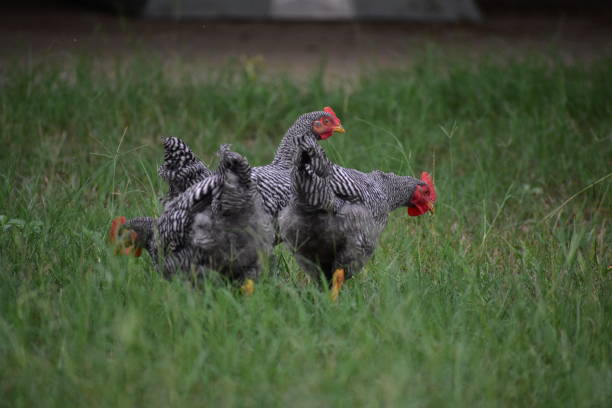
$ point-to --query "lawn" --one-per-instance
(502, 298)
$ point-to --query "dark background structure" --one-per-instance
(487, 6)
(107, 30)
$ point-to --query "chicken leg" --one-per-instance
(337, 282)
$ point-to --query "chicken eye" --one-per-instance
(326, 122)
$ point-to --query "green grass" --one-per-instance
(503, 298)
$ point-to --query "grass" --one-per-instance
(500, 299)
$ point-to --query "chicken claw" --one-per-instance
(248, 287)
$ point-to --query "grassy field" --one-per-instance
(503, 298)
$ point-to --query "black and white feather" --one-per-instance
(274, 180)
(181, 168)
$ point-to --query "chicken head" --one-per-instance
(326, 125)
(124, 239)
(424, 197)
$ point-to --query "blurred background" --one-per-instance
(346, 36)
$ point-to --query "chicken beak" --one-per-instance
(339, 129)
(431, 208)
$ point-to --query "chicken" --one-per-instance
(217, 223)
(336, 215)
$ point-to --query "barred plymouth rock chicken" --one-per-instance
(336, 214)
(217, 223)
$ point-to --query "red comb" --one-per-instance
(329, 110)
(114, 229)
(432, 190)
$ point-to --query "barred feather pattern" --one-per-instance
(356, 187)
(274, 180)
(174, 222)
(274, 186)
(181, 168)
(309, 176)
(238, 190)
(377, 191)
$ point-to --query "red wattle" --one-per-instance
(414, 212)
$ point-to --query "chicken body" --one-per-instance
(336, 215)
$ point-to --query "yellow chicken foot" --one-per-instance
(337, 281)
(248, 287)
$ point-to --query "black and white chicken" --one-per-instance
(217, 223)
(336, 215)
